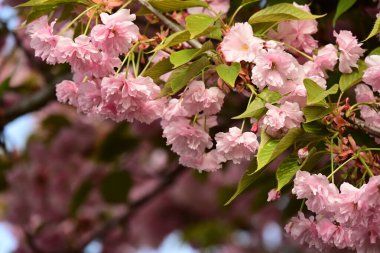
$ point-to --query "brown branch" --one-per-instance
(134, 207)
(361, 125)
(39, 98)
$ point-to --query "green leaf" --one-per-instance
(160, 68)
(184, 56)
(286, 171)
(182, 76)
(375, 30)
(5, 85)
(176, 5)
(230, 73)
(245, 2)
(174, 39)
(376, 51)
(281, 12)
(343, 6)
(246, 180)
(289, 167)
(313, 113)
(315, 128)
(198, 23)
(348, 80)
(272, 148)
(80, 196)
(39, 3)
(257, 107)
(115, 187)
(315, 94)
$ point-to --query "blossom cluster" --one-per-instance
(186, 122)
(97, 88)
(347, 218)
(278, 70)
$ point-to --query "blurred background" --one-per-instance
(75, 184)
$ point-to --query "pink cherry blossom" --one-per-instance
(274, 68)
(197, 99)
(364, 94)
(304, 231)
(320, 194)
(130, 99)
(89, 97)
(350, 50)
(297, 33)
(287, 116)
(85, 58)
(273, 195)
(370, 115)
(67, 92)
(186, 139)
(209, 162)
(235, 145)
(239, 44)
(372, 73)
(303, 153)
(173, 111)
(43, 41)
(117, 33)
(217, 6)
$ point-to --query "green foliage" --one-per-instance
(184, 56)
(115, 187)
(289, 167)
(281, 12)
(45, 7)
(198, 23)
(51, 3)
(315, 94)
(230, 73)
(348, 80)
(80, 196)
(183, 75)
(5, 85)
(257, 107)
(176, 5)
(376, 51)
(248, 178)
(271, 148)
(160, 68)
(316, 112)
(315, 128)
(174, 39)
(343, 6)
(375, 30)
(286, 171)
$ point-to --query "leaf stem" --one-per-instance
(77, 18)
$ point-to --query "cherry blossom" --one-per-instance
(239, 44)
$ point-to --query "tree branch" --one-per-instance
(360, 124)
(134, 207)
(175, 27)
(38, 99)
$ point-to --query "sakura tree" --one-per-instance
(277, 99)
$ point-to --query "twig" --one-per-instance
(134, 207)
(175, 27)
(360, 124)
(36, 100)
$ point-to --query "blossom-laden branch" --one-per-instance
(362, 125)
